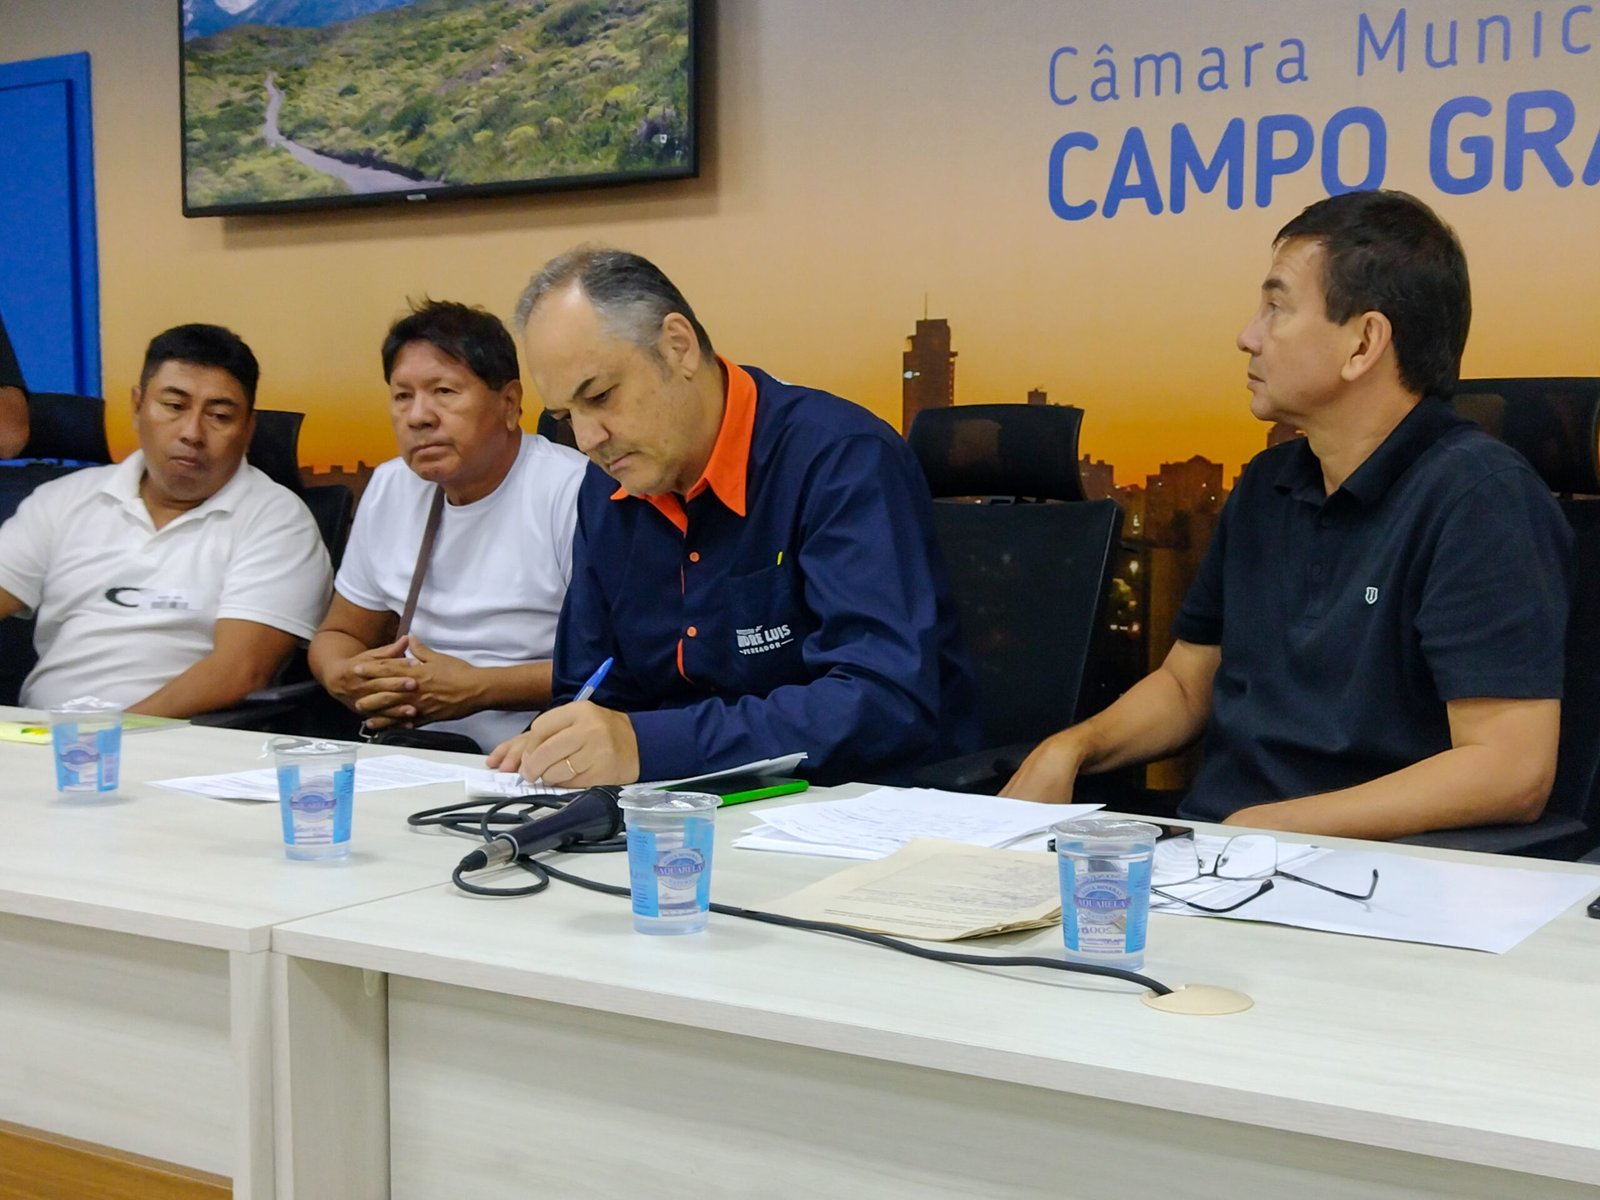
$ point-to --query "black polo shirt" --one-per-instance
(1440, 570)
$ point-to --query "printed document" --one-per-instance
(375, 774)
(508, 785)
(1438, 902)
(938, 891)
(878, 823)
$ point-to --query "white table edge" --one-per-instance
(1287, 1114)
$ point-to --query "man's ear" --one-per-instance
(1372, 338)
(512, 395)
(678, 344)
(136, 394)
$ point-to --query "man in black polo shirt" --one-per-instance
(1373, 645)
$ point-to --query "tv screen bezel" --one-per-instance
(448, 192)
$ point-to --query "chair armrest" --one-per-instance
(260, 708)
(1553, 837)
(983, 771)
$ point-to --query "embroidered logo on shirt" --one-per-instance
(1372, 595)
(172, 600)
(761, 638)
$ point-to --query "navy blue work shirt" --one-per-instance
(819, 620)
(1440, 570)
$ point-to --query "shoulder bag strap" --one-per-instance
(424, 552)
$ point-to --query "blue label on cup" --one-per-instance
(641, 872)
(1106, 904)
(86, 759)
(670, 876)
(316, 810)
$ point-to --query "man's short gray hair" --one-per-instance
(630, 294)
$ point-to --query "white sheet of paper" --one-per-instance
(507, 785)
(881, 821)
(375, 774)
(1474, 906)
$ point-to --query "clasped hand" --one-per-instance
(577, 745)
(407, 683)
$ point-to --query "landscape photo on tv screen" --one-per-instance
(312, 103)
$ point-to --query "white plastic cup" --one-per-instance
(87, 737)
(1105, 888)
(316, 796)
(669, 858)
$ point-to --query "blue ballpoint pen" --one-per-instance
(587, 689)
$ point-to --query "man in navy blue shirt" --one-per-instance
(757, 558)
(1374, 643)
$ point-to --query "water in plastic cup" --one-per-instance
(669, 858)
(1105, 888)
(87, 736)
(316, 794)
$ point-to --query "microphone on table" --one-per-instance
(590, 816)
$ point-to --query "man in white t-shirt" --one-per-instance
(475, 661)
(178, 581)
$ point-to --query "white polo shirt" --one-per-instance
(498, 574)
(123, 608)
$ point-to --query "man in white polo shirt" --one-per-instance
(178, 581)
(475, 660)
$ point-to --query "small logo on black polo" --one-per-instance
(1372, 595)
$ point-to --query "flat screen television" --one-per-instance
(297, 104)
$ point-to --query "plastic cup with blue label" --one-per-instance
(669, 858)
(87, 736)
(1105, 888)
(316, 796)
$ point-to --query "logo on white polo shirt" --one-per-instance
(159, 599)
(761, 638)
(1372, 595)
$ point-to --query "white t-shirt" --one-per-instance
(498, 574)
(123, 607)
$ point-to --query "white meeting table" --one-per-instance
(402, 1038)
(136, 983)
(539, 1047)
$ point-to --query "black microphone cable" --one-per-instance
(499, 814)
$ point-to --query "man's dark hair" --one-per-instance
(630, 294)
(474, 337)
(204, 346)
(1388, 252)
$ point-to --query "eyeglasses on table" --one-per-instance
(1248, 857)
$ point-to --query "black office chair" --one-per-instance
(275, 451)
(1555, 424)
(67, 433)
(295, 703)
(559, 432)
(1030, 562)
(67, 429)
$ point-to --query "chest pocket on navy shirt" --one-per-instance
(759, 639)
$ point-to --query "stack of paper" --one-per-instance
(509, 785)
(937, 891)
(878, 823)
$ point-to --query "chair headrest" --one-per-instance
(275, 447)
(1552, 422)
(61, 425)
(1024, 450)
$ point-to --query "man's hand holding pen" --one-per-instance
(576, 745)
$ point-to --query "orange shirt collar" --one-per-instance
(727, 470)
